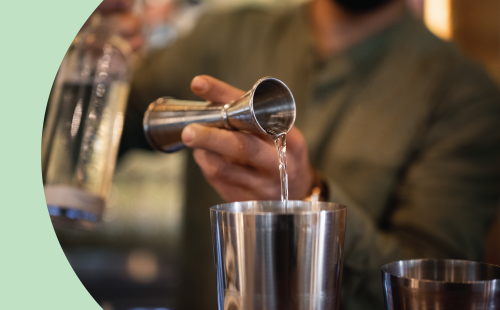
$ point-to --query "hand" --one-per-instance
(128, 24)
(243, 166)
(130, 28)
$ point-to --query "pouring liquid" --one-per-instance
(280, 143)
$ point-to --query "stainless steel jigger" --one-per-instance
(267, 108)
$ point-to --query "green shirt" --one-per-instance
(403, 127)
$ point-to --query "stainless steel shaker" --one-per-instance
(269, 258)
(441, 284)
(268, 108)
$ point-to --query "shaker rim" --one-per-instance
(385, 270)
(335, 207)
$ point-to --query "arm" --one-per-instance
(167, 72)
(441, 207)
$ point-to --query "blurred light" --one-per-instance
(106, 305)
(54, 210)
(77, 117)
(437, 17)
(117, 129)
(142, 266)
(72, 214)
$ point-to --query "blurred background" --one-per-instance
(131, 262)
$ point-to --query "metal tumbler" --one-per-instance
(269, 258)
(441, 284)
(268, 108)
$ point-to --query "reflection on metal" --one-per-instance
(269, 258)
(437, 17)
(441, 285)
(268, 109)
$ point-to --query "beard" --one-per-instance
(360, 6)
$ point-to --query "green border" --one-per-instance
(34, 273)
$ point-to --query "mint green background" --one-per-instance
(34, 273)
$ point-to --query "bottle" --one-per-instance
(83, 125)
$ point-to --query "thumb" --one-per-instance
(215, 90)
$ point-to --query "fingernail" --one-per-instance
(187, 135)
(199, 84)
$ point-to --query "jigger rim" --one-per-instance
(252, 110)
(333, 207)
(385, 270)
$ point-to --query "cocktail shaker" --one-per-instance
(271, 258)
(268, 108)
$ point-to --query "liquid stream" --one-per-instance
(280, 143)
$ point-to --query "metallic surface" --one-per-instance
(268, 108)
(269, 259)
(441, 284)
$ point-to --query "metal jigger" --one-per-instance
(268, 108)
(441, 284)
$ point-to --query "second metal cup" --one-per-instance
(441, 284)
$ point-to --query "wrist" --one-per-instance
(319, 189)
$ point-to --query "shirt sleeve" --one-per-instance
(168, 72)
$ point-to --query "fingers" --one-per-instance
(135, 42)
(296, 143)
(129, 24)
(240, 147)
(113, 6)
(234, 181)
(241, 166)
(212, 89)
(130, 28)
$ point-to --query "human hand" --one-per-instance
(243, 166)
(128, 24)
